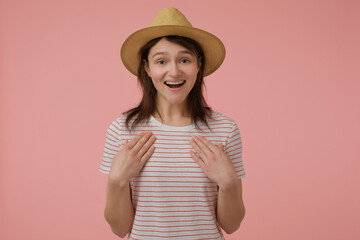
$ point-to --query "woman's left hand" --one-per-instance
(213, 161)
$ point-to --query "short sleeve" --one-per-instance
(112, 146)
(233, 150)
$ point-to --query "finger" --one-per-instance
(125, 142)
(205, 149)
(133, 141)
(122, 146)
(147, 155)
(146, 146)
(140, 143)
(221, 147)
(198, 149)
(208, 143)
(197, 160)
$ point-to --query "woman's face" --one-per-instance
(170, 63)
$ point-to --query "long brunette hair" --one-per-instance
(196, 103)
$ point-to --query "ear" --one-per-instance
(146, 67)
(199, 63)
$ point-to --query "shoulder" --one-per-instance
(218, 116)
(127, 124)
(117, 124)
(119, 120)
(228, 124)
(122, 118)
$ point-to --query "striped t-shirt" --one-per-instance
(171, 196)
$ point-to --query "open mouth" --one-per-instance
(174, 84)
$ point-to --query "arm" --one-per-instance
(119, 212)
(230, 207)
(219, 168)
(127, 163)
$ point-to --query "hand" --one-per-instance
(213, 161)
(131, 158)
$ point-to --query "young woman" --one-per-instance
(174, 164)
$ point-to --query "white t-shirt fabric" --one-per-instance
(172, 197)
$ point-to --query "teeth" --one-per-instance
(174, 83)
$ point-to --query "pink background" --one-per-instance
(290, 80)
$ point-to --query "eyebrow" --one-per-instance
(166, 53)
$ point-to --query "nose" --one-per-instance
(174, 70)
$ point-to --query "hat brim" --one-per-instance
(213, 48)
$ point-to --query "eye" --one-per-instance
(184, 60)
(161, 62)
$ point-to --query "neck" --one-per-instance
(171, 112)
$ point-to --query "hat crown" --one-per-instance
(170, 16)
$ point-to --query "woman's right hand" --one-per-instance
(131, 158)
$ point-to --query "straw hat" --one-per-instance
(170, 21)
